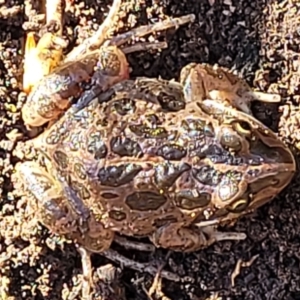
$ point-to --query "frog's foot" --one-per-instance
(183, 239)
(202, 81)
(147, 29)
(100, 35)
(104, 67)
(265, 97)
(41, 58)
(104, 32)
(101, 284)
(127, 244)
(141, 267)
(107, 283)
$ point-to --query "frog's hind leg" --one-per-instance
(145, 47)
(147, 29)
(140, 267)
(100, 35)
(104, 31)
(189, 239)
(113, 66)
(58, 209)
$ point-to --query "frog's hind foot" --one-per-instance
(102, 283)
(141, 267)
(101, 36)
(190, 239)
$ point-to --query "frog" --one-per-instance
(152, 158)
(161, 159)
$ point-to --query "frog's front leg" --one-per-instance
(202, 81)
(189, 239)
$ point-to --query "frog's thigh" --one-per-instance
(189, 239)
(46, 190)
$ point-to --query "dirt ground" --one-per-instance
(258, 38)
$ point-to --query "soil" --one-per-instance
(259, 39)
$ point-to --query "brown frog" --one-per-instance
(145, 157)
(156, 158)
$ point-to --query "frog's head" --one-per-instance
(246, 161)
